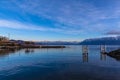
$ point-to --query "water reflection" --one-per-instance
(103, 56)
(59, 64)
(5, 52)
(85, 57)
(85, 51)
(27, 51)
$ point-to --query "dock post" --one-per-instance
(102, 52)
(103, 48)
(85, 53)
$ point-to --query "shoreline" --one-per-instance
(12, 45)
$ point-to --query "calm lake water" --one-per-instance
(69, 63)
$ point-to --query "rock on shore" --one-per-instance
(115, 54)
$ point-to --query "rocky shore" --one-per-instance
(114, 54)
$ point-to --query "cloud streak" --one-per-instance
(19, 25)
(26, 26)
(113, 33)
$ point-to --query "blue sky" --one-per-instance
(69, 20)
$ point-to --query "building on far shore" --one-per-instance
(2, 38)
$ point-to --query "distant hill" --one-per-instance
(102, 41)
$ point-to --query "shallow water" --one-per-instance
(69, 63)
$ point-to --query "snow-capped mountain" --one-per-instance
(102, 41)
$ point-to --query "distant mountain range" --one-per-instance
(93, 41)
(102, 41)
(50, 42)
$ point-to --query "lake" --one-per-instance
(69, 63)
